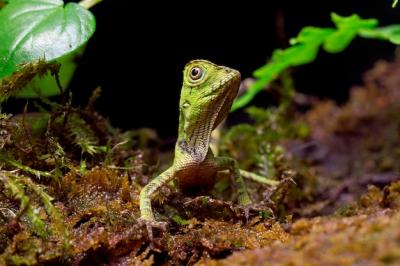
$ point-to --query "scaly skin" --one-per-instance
(207, 94)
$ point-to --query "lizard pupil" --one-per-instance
(196, 73)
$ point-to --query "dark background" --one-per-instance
(140, 48)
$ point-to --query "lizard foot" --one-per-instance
(254, 209)
(241, 210)
(152, 224)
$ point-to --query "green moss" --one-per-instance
(346, 210)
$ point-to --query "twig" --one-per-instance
(87, 4)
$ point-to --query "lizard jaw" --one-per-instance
(232, 77)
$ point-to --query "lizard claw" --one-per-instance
(253, 208)
(150, 224)
(244, 209)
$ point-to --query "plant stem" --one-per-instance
(89, 3)
(24, 168)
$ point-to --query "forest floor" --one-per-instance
(70, 186)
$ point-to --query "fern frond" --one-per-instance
(82, 134)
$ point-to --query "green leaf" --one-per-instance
(304, 50)
(390, 33)
(313, 35)
(339, 41)
(293, 56)
(395, 3)
(253, 89)
(282, 59)
(347, 30)
(354, 21)
(306, 45)
(33, 30)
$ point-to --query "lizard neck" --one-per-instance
(194, 134)
(195, 127)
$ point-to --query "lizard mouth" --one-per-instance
(229, 83)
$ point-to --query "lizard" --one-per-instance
(207, 94)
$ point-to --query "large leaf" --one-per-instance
(41, 29)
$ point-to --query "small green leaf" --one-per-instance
(347, 30)
(312, 35)
(395, 3)
(253, 89)
(41, 29)
(299, 54)
(353, 21)
(293, 56)
(339, 41)
(390, 33)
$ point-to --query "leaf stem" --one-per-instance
(89, 3)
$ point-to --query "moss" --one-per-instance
(372, 198)
(330, 241)
(215, 237)
(346, 210)
(19, 79)
(337, 202)
(392, 195)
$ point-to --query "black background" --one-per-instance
(140, 48)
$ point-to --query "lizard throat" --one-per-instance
(198, 118)
(195, 142)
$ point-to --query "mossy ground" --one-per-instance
(70, 186)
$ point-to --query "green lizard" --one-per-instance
(206, 97)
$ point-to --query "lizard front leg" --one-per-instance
(258, 178)
(227, 163)
(146, 213)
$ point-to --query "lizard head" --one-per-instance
(207, 93)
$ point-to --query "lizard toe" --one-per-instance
(152, 224)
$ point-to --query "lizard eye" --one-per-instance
(196, 73)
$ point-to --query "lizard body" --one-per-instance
(207, 94)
